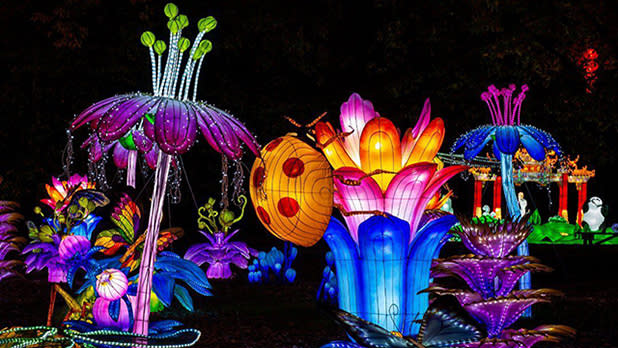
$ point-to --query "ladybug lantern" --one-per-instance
(292, 190)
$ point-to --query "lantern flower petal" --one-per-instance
(380, 150)
(542, 137)
(170, 122)
(428, 144)
(363, 196)
(333, 148)
(355, 113)
(120, 156)
(405, 191)
(423, 120)
(111, 284)
(534, 148)
(507, 139)
(406, 196)
(117, 121)
(411, 135)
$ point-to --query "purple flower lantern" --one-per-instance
(166, 122)
(492, 274)
(220, 252)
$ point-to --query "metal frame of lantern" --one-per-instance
(542, 172)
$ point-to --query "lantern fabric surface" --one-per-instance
(292, 191)
(112, 284)
(100, 313)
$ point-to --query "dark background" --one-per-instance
(301, 58)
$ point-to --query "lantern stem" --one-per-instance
(131, 168)
(506, 166)
(144, 284)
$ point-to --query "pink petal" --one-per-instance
(440, 178)
(367, 196)
(405, 192)
(355, 113)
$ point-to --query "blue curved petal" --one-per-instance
(542, 137)
(472, 138)
(497, 152)
(424, 247)
(534, 148)
(383, 243)
(346, 264)
(507, 139)
(472, 152)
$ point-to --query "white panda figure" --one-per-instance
(594, 213)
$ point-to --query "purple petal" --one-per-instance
(175, 126)
(116, 122)
(121, 156)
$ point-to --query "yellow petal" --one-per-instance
(332, 146)
(380, 149)
(428, 144)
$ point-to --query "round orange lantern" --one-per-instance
(292, 191)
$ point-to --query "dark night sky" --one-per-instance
(301, 58)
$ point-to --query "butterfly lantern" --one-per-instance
(440, 327)
(292, 190)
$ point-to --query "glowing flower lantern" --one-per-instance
(292, 190)
(507, 135)
(383, 185)
(112, 284)
(170, 120)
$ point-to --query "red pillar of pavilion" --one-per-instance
(564, 196)
(498, 197)
(582, 196)
(478, 197)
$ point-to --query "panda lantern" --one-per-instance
(594, 214)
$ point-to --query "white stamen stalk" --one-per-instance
(154, 69)
(197, 77)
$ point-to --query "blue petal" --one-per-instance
(496, 151)
(542, 137)
(114, 309)
(472, 152)
(182, 294)
(472, 138)
(535, 149)
(163, 286)
(507, 138)
(347, 262)
(383, 244)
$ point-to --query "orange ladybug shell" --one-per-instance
(292, 191)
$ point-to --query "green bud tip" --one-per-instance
(160, 46)
(170, 10)
(207, 24)
(183, 21)
(183, 44)
(147, 39)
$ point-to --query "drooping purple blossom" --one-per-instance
(220, 253)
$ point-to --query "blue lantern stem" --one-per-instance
(506, 167)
